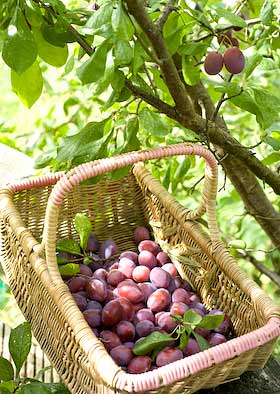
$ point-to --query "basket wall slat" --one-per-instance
(115, 209)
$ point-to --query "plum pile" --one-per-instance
(136, 304)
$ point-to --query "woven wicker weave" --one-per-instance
(28, 240)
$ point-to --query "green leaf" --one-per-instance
(7, 387)
(104, 82)
(266, 14)
(228, 17)
(69, 246)
(19, 48)
(191, 73)
(209, 322)
(100, 17)
(70, 269)
(272, 158)
(93, 69)
(20, 344)
(83, 227)
(230, 88)
(33, 14)
(132, 142)
(153, 341)
(123, 53)
(141, 83)
(152, 123)
(69, 147)
(93, 150)
(6, 370)
(275, 43)
(173, 31)
(184, 339)
(138, 57)
(269, 106)
(246, 102)
(202, 342)
(28, 85)
(118, 81)
(237, 244)
(35, 388)
(57, 6)
(54, 55)
(69, 65)
(57, 36)
(45, 158)
(191, 317)
(193, 48)
(166, 178)
(251, 63)
(121, 23)
(180, 173)
(275, 143)
(57, 388)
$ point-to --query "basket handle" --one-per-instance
(101, 166)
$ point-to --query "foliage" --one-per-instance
(103, 87)
(10, 380)
(156, 341)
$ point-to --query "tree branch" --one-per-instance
(260, 267)
(169, 71)
(170, 6)
(152, 100)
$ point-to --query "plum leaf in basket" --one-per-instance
(69, 246)
(83, 227)
(192, 318)
(6, 370)
(70, 269)
(184, 339)
(210, 322)
(20, 344)
(153, 341)
(202, 342)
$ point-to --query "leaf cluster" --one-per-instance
(186, 325)
(10, 380)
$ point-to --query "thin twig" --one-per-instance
(192, 189)
(80, 39)
(170, 6)
(150, 80)
(224, 184)
(220, 102)
(249, 22)
(260, 267)
(254, 146)
(151, 99)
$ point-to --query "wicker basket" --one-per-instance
(115, 209)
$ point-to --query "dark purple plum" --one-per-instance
(139, 364)
(168, 355)
(141, 234)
